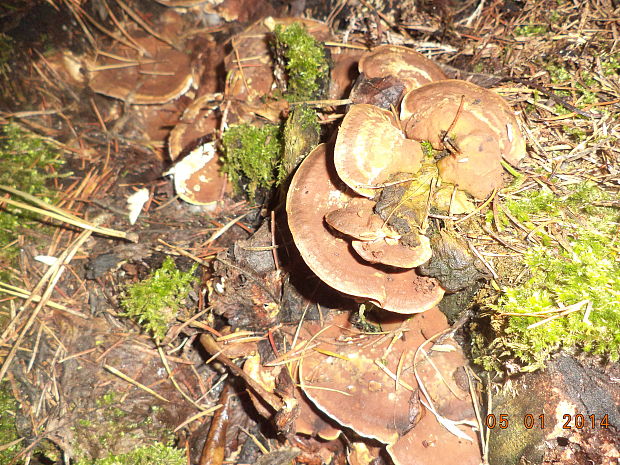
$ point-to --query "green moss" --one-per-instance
(554, 17)
(478, 68)
(528, 30)
(28, 163)
(587, 276)
(610, 64)
(111, 429)
(576, 134)
(252, 156)
(154, 302)
(558, 73)
(582, 86)
(304, 61)
(107, 399)
(7, 49)
(581, 199)
(301, 134)
(8, 432)
(155, 454)
(427, 149)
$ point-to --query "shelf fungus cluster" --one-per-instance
(395, 387)
(358, 209)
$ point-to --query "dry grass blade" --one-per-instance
(62, 215)
(304, 387)
(450, 425)
(396, 378)
(198, 416)
(10, 444)
(72, 7)
(560, 312)
(226, 227)
(183, 252)
(25, 294)
(477, 410)
(209, 344)
(144, 25)
(478, 209)
(130, 380)
(53, 275)
(120, 27)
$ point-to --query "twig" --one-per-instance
(226, 227)
(24, 294)
(214, 450)
(456, 117)
(183, 252)
(213, 348)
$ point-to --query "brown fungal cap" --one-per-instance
(477, 174)
(443, 375)
(198, 119)
(357, 386)
(442, 99)
(307, 419)
(412, 68)
(477, 125)
(197, 177)
(160, 75)
(370, 148)
(394, 253)
(357, 219)
(314, 192)
(377, 242)
(430, 443)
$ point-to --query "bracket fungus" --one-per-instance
(410, 67)
(388, 72)
(315, 192)
(157, 75)
(304, 419)
(371, 147)
(197, 178)
(359, 218)
(475, 124)
(374, 240)
(385, 387)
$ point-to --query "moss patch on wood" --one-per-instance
(28, 163)
(252, 156)
(304, 60)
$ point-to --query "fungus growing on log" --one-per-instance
(305, 419)
(373, 240)
(476, 125)
(316, 191)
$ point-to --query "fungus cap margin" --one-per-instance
(316, 190)
(370, 147)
